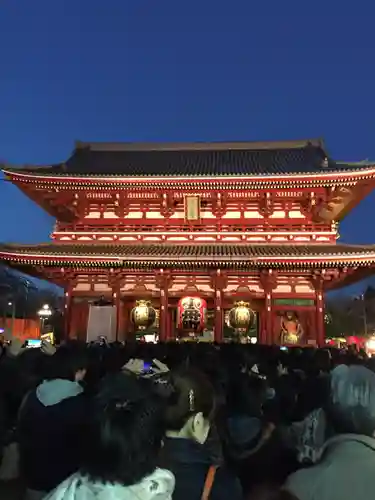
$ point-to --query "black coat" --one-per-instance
(190, 463)
(52, 440)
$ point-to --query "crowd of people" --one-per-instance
(185, 422)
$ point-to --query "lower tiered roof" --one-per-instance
(154, 256)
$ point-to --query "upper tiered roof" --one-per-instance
(225, 159)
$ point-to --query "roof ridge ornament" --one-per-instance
(81, 145)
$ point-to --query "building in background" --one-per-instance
(223, 223)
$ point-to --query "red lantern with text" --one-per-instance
(192, 313)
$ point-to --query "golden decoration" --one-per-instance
(241, 316)
(143, 315)
(291, 330)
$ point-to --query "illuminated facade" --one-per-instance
(226, 222)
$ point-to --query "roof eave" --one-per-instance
(195, 261)
(368, 171)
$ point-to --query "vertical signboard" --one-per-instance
(192, 208)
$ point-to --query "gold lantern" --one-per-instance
(143, 315)
(241, 317)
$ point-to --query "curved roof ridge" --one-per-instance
(199, 145)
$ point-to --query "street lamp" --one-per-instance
(12, 304)
(44, 313)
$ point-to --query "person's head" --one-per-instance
(190, 406)
(69, 362)
(322, 360)
(352, 400)
(125, 435)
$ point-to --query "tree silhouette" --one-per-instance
(351, 315)
(24, 295)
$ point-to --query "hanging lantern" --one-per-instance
(192, 314)
(143, 315)
(241, 317)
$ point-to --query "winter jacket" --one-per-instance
(255, 451)
(51, 433)
(346, 470)
(157, 486)
(190, 463)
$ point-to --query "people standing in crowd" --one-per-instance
(347, 460)
(189, 413)
(125, 433)
(226, 421)
(52, 423)
(17, 377)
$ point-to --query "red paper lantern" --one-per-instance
(192, 313)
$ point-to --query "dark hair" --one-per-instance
(125, 434)
(322, 360)
(192, 393)
(67, 361)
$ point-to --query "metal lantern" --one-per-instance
(192, 313)
(143, 315)
(241, 317)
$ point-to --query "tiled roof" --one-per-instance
(194, 159)
(197, 255)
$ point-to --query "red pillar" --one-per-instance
(67, 310)
(123, 321)
(78, 319)
(268, 280)
(320, 334)
(170, 330)
(164, 330)
(262, 328)
(318, 281)
(269, 319)
(219, 312)
(219, 316)
(117, 304)
(266, 321)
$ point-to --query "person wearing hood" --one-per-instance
(189, 413)
(251, 443)
(125, 433)
(51, 423)
(346, 464)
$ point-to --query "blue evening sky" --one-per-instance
(150, 70)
